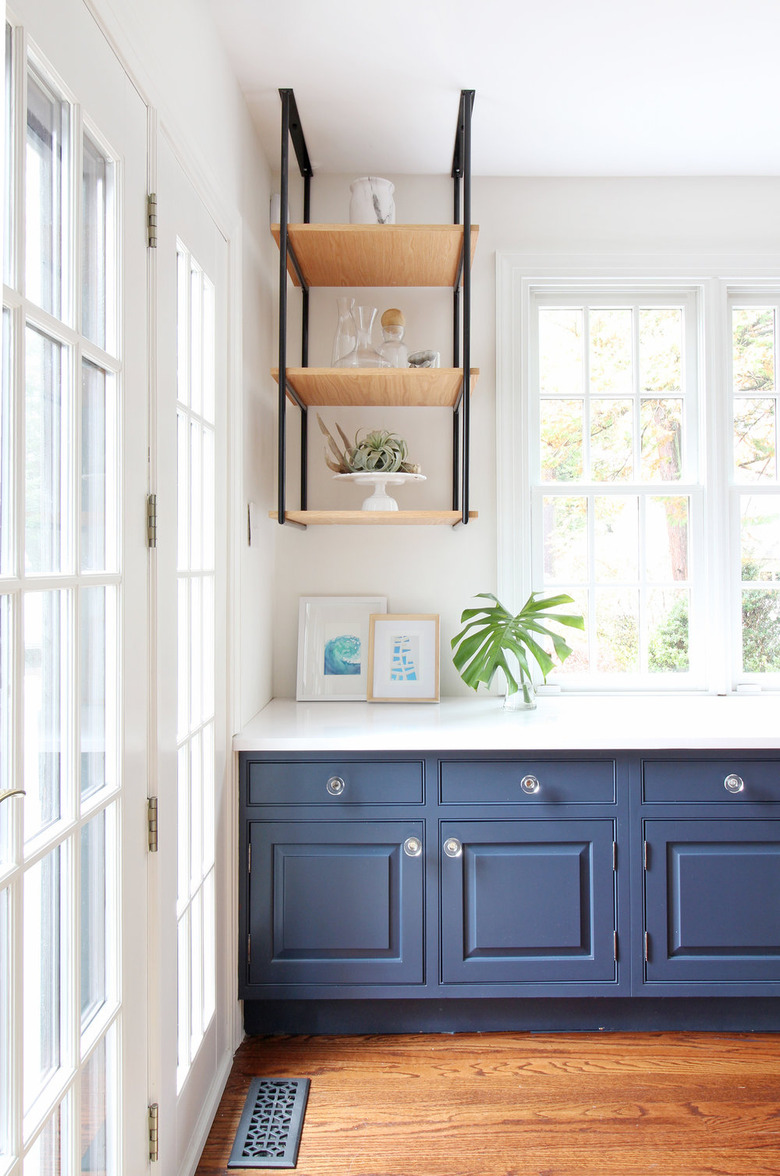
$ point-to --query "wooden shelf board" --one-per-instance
(373, 387)
(377, 255)
(373, 518)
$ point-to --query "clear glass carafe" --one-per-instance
(393, 350)
(364, 354)
(345, 339)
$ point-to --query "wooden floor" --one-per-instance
(519, 1104)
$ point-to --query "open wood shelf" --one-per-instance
(374, 387)
(376, 255)
(373, 518)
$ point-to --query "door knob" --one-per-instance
(413, 847)
(452, 847)
(734, 783)
(8, 792)
(530, 785)
(335, 786)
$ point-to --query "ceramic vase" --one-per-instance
(371, 202)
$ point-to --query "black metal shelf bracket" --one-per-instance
(461, 301)
(291, 130)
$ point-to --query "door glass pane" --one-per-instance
(48, 445)
(46, 187)
(98, 469)
(45, 702)
(6, 728)
(6, 1138)
(93, 918)
(97, 1127)
(42, 965)
(8, 154)
(96, 239)
(99, 671)
(6, 435)
(49, 1155)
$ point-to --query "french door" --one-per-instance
(73, 603)
(192, 974)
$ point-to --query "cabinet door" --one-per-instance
(527, 901)
(335, 902)
(712, 900)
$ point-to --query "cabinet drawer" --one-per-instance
(500, 782)
(364, 782)
(704, 781)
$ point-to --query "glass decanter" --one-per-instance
(364, 354)
(345, 339)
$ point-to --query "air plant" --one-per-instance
(378, 452)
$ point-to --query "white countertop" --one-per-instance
(560, 723)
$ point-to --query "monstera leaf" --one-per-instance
(493, 639)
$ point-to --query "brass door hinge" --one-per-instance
(154, 1142)
(647, 947)
(151, 220)
(615, 944)
(151, 520)
(151, 821)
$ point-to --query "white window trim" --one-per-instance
(714, 280)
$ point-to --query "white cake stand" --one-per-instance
(380, 499)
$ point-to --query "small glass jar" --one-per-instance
(393, 350)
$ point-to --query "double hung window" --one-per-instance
(638, 468)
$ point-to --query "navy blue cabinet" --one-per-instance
(527, 901)
(712, 901)
(335, 902)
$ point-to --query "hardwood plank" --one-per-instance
(374, 518)
(377, 255)
(376, 387)
(517, 1104)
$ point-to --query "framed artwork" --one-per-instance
(403, 658)
(333, 646)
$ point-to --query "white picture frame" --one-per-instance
(333, 633)
(404, 658)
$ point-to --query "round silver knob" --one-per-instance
(335, 786)
(530, 785)
(453, 847)
(734, 783)
(413, 847)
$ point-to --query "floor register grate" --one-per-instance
(269, 1132)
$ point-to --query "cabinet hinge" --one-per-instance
(154, 1119)
(151, 821)
(249, 858)
(645, 854)
(151, 520)
(615, 942)
(614, 855)
(151, 220)
(248, 950)
(647, 947)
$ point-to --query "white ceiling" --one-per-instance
(563, 87)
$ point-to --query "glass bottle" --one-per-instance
(394, 351)
(345, 339)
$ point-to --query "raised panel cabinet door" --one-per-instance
(335, 902)
(527, 901)
(712, 900)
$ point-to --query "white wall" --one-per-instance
(174, 53)
(436, 569)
